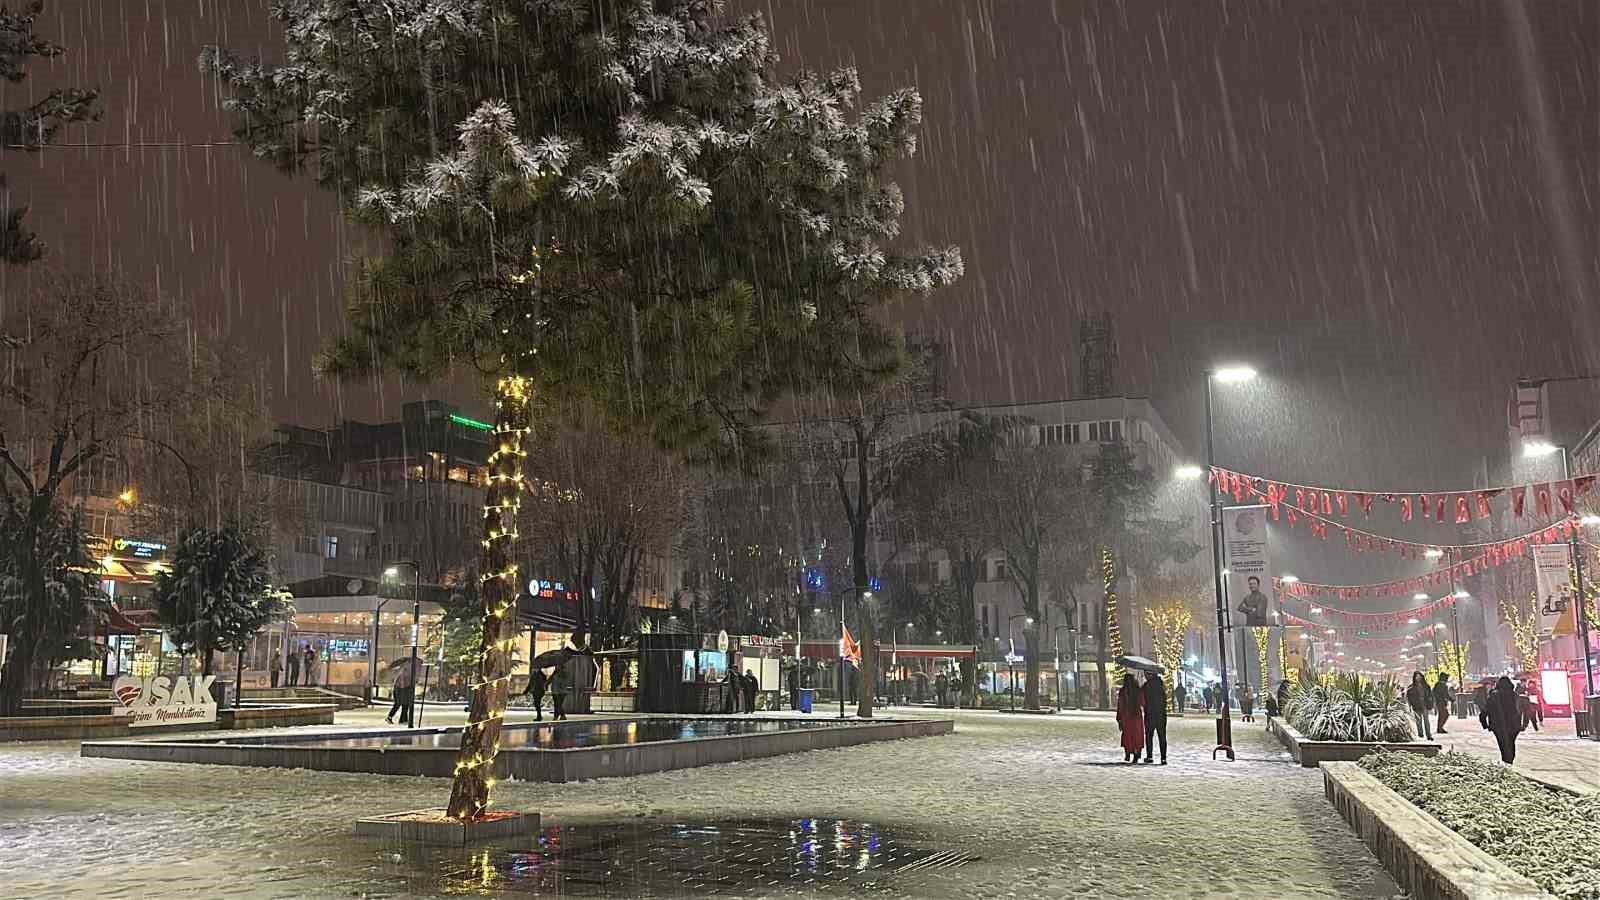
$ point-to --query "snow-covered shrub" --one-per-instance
(1346, 708)
(1547, 835)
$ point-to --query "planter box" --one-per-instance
(275, 716)
(430, 826)
(1428, 860)
(1311, 754)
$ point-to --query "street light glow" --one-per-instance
(1537, 449)
(1191, 472)
(1433, 553)
(1234, 374)
(1590, 519)
(1419, 596)
(1290, 579)
(391, 572)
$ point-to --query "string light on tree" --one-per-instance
(1108, 575)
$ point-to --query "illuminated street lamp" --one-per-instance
(1221, 375)
(1188, 473)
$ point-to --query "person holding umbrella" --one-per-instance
(1130, 717)
(1155, 716)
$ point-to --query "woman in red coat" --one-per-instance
(1130, 716)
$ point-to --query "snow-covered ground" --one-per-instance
(1553, 753)
(1044, 800)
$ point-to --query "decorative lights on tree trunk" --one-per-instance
(497, 590)
(1262, 636)
(1108, 576)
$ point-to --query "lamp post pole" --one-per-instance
(1055, 639)
(1577, 574)
(416, 633)
(1224, 721)
(1012, 666)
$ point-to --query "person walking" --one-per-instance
(1130, 718)
(1155, 716)
(310, 666)
(275, 668)
(1283, 696)
(1179, 695)
(941, 688)
(1247, 702)
(535, 691)
(1532, 712)
(1480, 700)
(1420, 701)
(560, 687)
(403, 688)
(1505, 718)
(294, 667)
(794, 686)
(1442, 695)
(1210, 694)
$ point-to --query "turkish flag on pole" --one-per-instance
(848, 648)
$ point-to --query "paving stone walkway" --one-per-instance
(1044, 801)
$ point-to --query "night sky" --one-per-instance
(1356, 197)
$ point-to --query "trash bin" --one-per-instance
(806, 696)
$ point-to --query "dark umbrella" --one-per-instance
(1141, 663)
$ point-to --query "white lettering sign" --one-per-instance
(159, 700)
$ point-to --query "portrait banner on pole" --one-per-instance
(1550, 563)
(1249, 566)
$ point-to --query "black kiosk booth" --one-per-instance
(689, 673)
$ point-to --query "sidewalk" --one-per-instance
(1554, 754)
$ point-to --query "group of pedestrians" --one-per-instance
(742, 690)
(1142, 716)
(305, 658)
(1425, 702)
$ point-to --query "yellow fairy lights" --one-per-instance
(480, 740)
(1108, 575)
(1261, 636)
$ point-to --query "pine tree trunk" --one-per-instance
(480, 740)
(868, 636)
(1030, 645)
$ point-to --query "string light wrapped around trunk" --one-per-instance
(1261, 636)
(1108, 576)
(497, 590)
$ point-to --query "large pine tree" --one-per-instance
(609, 202)
(34, 124)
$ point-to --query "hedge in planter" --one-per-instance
(1343, 707)
(1547, 835)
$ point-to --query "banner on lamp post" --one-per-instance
(1550, 563)
(1249, 567)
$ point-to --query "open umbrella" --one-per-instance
(1141, 663)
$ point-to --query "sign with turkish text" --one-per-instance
(1550, 563)
(1249, 568)
(160, 700)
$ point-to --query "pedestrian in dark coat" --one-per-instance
(1480, 699)
(1442, 695)
(1155, 716)
(1179, 696)
(1419, 699)
(794, 686)
(1130, 718)
(751, 686)
(1532, 712)
(294, 667)
(1505, 718)
(560, 687)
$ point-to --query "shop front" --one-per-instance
(699, 673)
(344, 643)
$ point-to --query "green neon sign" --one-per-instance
(471, 423)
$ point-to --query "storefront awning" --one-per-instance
(118, 622)
(830, 650)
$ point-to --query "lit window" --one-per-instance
(330, 546)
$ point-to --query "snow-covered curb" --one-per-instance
(1311, 754)
(1427, 859)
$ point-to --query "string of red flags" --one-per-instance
(1378, 621)
(1320, 631)
(1458, 567)
(1541, 499)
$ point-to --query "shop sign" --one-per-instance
(159, 700)
(127, 548)
(550, 590)
(722, 641)
(1014, 658)
(757, 640)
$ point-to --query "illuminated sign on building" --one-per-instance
(550, 590)
(127, 548)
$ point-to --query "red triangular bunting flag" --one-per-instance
(1518, 496)
(1564, 496)
(1463, 510)
(1541, 499)
(1342, 502)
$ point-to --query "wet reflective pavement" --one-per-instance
(553, 736)
(735, 858)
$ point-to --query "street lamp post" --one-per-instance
(1010, 665)
(416, 631)
(865, 595)
(1224, 721)
(1072, 644)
